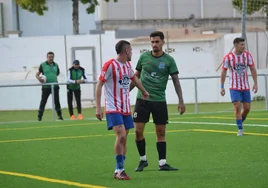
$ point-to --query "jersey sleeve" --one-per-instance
(106, 72)
(225, 63)
(131, 72)
(173, 69)
(40, 69)
(250, 60)
(139, 66)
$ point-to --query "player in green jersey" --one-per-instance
(51, 70)
(154, 69)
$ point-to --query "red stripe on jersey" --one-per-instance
(114, 80)
(238, 59)
(121, 90)
(104, 70)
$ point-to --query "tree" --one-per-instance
(253, 6)
(39, 7)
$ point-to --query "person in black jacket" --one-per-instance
(76, 76)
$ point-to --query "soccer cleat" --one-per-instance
(39, 118)
(60, 118)
(80, 117)
(240, 132)
(167, 167)
(141, 166)
(121, 175)
(73, 117)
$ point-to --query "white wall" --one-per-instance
(56, 21)
(16, 53)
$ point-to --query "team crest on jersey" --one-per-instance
(240, 68)
(125, 81)
(162, 65)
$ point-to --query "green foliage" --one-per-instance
(252, 5)
(38, 6)
(92, 4)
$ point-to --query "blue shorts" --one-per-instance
(115, 119)
(242, 96)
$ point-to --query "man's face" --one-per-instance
(76, 66)
(157, 44)
(240, 47)
(128, 51)
(50, 58)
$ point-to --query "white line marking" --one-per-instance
(215, 123)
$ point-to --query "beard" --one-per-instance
(155, 50)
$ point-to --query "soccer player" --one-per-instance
(51, 70)
(238, 62)
(153, 69)
(115, 77)
(75, 75)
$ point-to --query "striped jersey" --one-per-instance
(117, 76)
(238, 69)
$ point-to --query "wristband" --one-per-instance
(222, 86)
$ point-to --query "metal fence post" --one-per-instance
(196, 97)
(53, 102)
(266, 90)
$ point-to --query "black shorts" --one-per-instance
(144, 108)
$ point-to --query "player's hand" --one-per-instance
(40, 79)
(255, 88)
(99, 113)
(79, 81)
(145, 95)
(222, 91)
(181, 108)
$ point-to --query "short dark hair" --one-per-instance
(238, 40)
(121, 45)
(50, 53)
(157, 34)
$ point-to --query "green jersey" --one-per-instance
(51, 71)
(154, 74)
(74, 75)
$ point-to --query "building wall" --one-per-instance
(168, 9)
(20, 58)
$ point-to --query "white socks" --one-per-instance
(143, 158)
(162, 162)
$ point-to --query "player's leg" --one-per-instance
(246, 103)
(236, 97)
(77, 94)
(115, 122)
(141, 116)
(128, 122)
(70, 103)
(160, 117)
(45, 94)
(57, 102)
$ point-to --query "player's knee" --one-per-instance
(160, 133)
(122, 139)
(139, 134)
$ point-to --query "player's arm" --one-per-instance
(37, 75)
(136, 81)
(99, 86)
(137, 73)
(177, 86)
(132, 84)
(223, 77)
(253, 71)
(85, 76)
(225, 65)
(69, 77)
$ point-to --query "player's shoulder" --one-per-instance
(82, 68)
(107, 64)
(168, 58)
(146, 54)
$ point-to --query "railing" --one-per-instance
(195, 79)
